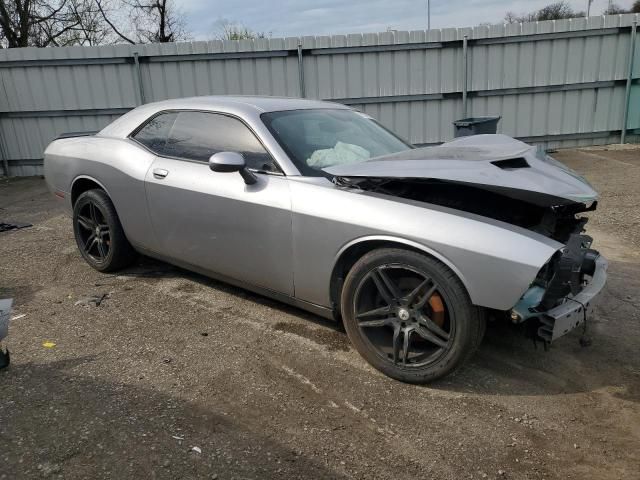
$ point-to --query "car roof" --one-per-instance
(241, 105)
(260, 104)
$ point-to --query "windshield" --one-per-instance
(320, 138)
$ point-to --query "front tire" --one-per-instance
(409, 315)
(99, 234)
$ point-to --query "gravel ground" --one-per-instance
(177, 376)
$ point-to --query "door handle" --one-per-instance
(160, 172)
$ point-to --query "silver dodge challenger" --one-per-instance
(319, 206)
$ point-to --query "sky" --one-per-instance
(325, 17)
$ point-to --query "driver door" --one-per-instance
(214, 220)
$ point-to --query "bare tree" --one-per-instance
(511, 17)
(43, 23)
(553, 11)
(113, 16)
(615, 9)
(158, 21)
(636, 7)
(229, 30)
(558, 11)
(92, 28)
(144, 21)
(38, 23)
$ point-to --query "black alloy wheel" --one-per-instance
(400, 311)
(99, 234)
(93, 231)
(409, 315)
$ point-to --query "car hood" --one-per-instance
(495, 163)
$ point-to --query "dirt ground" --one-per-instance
(175, 376)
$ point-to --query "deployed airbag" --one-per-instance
(341, 154)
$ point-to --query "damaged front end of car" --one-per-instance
(497, 177)
(562, 296)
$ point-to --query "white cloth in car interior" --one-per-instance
(341, 154)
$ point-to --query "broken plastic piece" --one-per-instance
(5, 315)
(6, 226)
(5, 359)
(92, 300)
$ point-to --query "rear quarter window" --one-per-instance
(156, 131)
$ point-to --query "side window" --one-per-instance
(198, 135)
(154, 134)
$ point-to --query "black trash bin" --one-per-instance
(475, 126)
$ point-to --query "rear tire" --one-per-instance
(99, 234)
(409, 315)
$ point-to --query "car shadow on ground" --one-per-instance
(150, 268)
(107, 430)
(508, 362)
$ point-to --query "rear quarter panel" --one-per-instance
(118, 165)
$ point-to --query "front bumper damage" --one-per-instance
(562, 297)
(576, 309)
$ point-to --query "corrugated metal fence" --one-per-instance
(560, 83)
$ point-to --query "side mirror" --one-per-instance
(225, 162)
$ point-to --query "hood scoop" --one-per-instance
(512, 163)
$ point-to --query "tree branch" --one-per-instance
(113, 27)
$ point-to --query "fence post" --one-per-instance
(301, 71)
(465, 86)
(5, 162)
(3, 153)
(627, 97)
(136, 62)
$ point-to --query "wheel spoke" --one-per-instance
(414, 293)
(378, 278)
(375, 323)
(432, 326)
(430, 337)
(86, 223)
(396, 343)
(391, 287)
(91, 241)
(375, 312)
(104, 230)
(425, 298)
(405, 346)
(93, 213)
(102, 250)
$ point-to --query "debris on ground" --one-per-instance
(6, 226)
(196, 449)
(48, 469)
(48, 344)
(5, 358)
(5, 315)
(94, 300)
